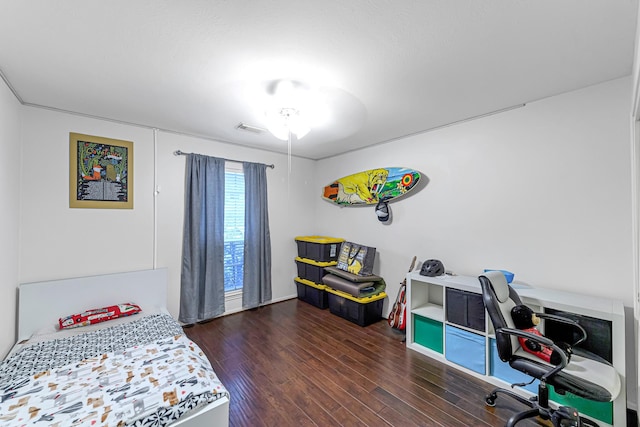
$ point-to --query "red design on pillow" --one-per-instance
(98, 315)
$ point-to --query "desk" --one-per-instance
(470, 345)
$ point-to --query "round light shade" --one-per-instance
(281, 121)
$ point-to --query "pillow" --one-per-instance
(97, 315)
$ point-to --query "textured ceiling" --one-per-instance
(387, 68)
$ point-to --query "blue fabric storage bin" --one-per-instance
(506, 373)
(465, 348)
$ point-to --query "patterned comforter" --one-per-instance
(143, 373)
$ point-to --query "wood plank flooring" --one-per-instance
(293, 364)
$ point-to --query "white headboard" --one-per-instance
(43, 303)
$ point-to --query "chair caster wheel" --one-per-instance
(490, 400)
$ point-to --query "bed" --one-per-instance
(136, 370)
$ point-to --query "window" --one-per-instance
(233, 227)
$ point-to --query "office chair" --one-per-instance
(581, 373)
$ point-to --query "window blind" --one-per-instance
(233, 230)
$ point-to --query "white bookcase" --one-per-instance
(469, 344)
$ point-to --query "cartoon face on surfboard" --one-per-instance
(371, 186)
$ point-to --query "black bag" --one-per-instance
(356, 259)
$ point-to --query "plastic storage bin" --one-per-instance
(312, 270)
(319, 248)
(465, 348)
(465, 309)
(312, 293)
(507, 274)
(428, 333)
(362, 311)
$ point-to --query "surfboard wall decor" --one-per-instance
(372, 186)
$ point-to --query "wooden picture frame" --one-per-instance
(100, 172)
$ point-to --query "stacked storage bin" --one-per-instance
(355, 293)
(314, 254)
(349, 300)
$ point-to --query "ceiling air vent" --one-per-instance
(249, 128)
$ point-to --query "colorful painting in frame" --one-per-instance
(100, 172)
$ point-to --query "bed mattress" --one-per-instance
(143, 372)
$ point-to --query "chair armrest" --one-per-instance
(541, 340)
(560, 319)
(528, 335)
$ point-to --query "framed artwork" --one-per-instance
(100, 172)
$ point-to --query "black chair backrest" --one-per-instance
(496, 310)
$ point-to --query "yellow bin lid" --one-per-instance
(319, 239)
(310, 283)
(363, 300)
(317, 263)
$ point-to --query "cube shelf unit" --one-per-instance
(447, 322)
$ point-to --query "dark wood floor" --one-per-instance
(293, 364)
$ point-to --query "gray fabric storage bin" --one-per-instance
(465, 309)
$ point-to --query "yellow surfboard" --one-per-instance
(372, 186)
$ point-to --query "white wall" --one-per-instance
(635, 150)
(10, 110)
(543, 191)
(59, 242)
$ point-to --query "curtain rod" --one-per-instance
(181, 153)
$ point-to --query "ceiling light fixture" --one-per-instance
(287, 113)
(287, 119)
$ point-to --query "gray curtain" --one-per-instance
(202, 277)
(256, 287)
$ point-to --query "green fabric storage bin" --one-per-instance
(602, 411)
(428, 333)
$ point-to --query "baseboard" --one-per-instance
(238, 309)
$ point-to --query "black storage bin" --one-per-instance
(361, 311)
(312, 293)
(599, 336)
(465, 309)
(312, 270)
(319, 248)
